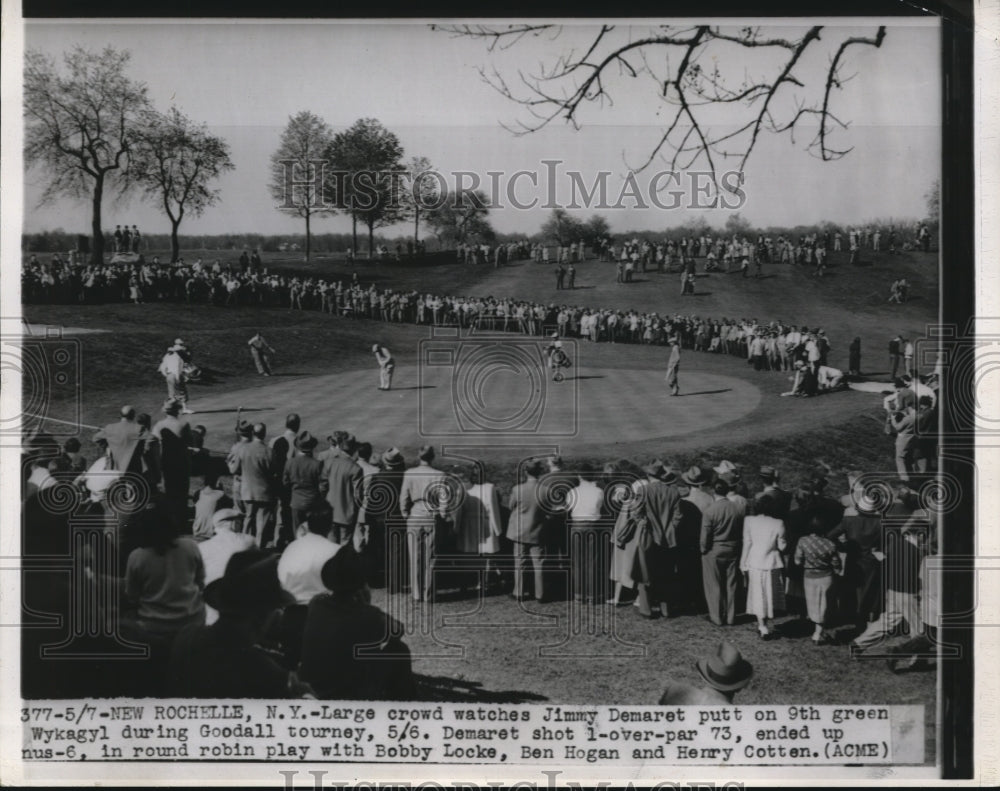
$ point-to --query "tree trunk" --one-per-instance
(97, 248)
(354, 235)
(416, 225)
(371, 240)
(308, 238)
(175, 245)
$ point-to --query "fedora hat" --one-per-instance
(726, 670)
(172, 406)
(655, 469)
(393, 459)
(768, 472)
(695, 476)
(306, 441)
(344, 572)
(250, 583)
(727, 468)
(669, 474)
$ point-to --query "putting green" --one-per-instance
(496, 404)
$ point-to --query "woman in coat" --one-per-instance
(763, 543)
(478, 525)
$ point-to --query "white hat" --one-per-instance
(375, 347)
(726, 467)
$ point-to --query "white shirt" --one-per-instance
(215, 554)
(587, 499)
(301, 563)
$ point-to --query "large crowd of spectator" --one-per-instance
(250, 576)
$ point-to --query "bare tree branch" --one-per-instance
(788, 91)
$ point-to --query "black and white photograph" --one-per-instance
(529, 399)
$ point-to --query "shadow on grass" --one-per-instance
(416, 387)
(451, 690)
(705, 392)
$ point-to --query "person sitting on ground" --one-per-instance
(829, 378)
(207, 501)
(351, 650)
(226, 540)
(225, 660)
(164, 577)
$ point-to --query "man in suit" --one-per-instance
(173, 434)
(252, 462)
(343, 477)
(721, 543)
(386, 525)
(526, 528)
(282, 450)
(657, 551)
(302, 478)
(422, 500)
(781, 499)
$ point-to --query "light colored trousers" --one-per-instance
(899, 607)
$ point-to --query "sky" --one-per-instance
(246, 78)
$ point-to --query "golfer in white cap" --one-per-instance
(172, 367)
(385, 366)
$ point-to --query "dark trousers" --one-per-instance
(720, 568)
(343, 533)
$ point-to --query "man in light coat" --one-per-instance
(526, 528)
(172, 369)
(252, 462)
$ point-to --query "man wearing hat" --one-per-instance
(386, 366)
(174, 436)
(304, 480)
(251, 460)
(732, 475)
(725, 673)
(780, 498)
(227, 539)
(283, 449)
(224, 660)
(656, 548)
(351, 650)
(172, 369)
(697, 479)
(526, 528)
(386, 526)
(343, 487)
(673, 364)
(422, 500)
(721, 543)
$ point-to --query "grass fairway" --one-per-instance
(460, 652)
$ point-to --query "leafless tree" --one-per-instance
(80, 126)
(692, 71)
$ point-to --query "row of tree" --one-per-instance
(361, 173)
(92, 129)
